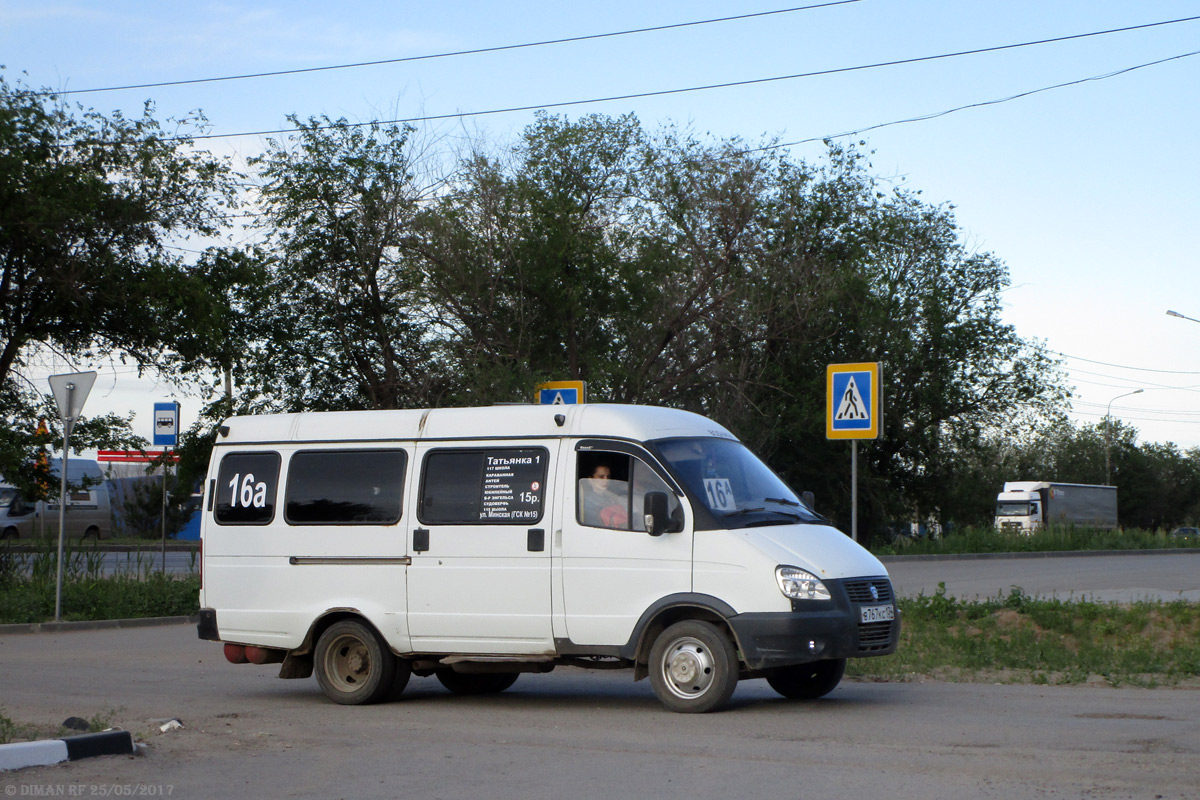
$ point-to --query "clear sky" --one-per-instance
(1089, 192)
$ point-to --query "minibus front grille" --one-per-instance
(859, 591)
(874, 636)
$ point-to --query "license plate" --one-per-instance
(877, 613)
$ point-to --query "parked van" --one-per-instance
(477, 544)
(89, 508)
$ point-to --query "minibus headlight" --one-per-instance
(800, 585)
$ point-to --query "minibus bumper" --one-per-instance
(769, 640)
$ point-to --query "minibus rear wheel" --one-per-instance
(353, 666)
(808, 681)
(693, 667)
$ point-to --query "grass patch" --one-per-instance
(12, 731)
(1019, 639)
(1059, 539)
(135, 589)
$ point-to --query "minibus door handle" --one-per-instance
(536, 542)
(420, 540)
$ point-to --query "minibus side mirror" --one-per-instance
(658, 517)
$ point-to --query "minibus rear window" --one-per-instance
(345, 487)
(246, 487)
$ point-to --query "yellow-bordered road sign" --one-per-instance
(562, 393)
(854, 401)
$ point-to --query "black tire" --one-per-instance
(693, 667)
(353, 666)
(468, 683)
(400, 679)
(808, 681)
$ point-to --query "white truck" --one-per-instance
(1028, 506)
(475, 544)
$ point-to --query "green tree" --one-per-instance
(89, 205)
(527, 261)
(339, 322)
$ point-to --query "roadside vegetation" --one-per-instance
(1006, 639)
(137, 589)
(1019, 639)
(14, 731)
(1065, 539)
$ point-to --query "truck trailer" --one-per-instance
(1027, 506)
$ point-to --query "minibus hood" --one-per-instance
(822, 550)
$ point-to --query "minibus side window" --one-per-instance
(497, 486)
(612, 490)
(344, 487)
(246, 488)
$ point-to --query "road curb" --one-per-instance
(96, 625)
(20, 755)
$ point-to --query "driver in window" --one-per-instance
(600, 505)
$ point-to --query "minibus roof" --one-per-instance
(637, 423)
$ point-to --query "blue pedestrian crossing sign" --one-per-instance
(561, 393)
(853, 401)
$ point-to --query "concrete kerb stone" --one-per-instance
(96, 625)
(20, 755)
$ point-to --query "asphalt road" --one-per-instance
(578, 734)
(1102, 577)
(125, 562)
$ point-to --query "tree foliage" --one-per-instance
(661, 267)
(88, 206)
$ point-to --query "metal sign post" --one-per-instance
(166, 435)
(70, 392)
(854, 407)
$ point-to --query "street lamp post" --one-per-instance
(1108, 435)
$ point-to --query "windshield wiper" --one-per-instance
(739, 511)
(761, 510)
(782, 500)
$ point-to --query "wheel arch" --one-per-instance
(298, 663)
(665, 613)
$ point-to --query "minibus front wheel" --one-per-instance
(353, 666)
(693, 667)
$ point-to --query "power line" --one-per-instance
(1135, 409)
(1140, 419)
(1122, 366)
(981, 104)
(476, 51)
(750, 82)
(1134, 381)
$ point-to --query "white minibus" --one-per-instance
(480, 543)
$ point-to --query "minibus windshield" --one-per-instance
(733, 483)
